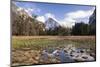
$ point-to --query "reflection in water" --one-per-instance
(65, 57)
(68, 54)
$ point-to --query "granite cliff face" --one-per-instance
(92, 23)
(51, 24)
(92, 19)
(25, 24)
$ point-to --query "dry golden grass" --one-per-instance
(55, 37)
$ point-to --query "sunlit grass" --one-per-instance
(42, 43)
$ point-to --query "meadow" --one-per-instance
(28, 50)
(42, 42)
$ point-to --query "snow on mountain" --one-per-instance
(51, 23)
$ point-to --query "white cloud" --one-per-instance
(34, 10)
(29, 10)
(41, 18)
(79, 14)
(69, 18)
(67, 22)
(49, 15)
(45, 17)
(19, 9)
(72, 17)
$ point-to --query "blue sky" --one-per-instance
(65, 14)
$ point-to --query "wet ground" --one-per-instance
(70, 53)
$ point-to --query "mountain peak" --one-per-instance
(51, 23)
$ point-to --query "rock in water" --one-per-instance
(65, 57)
(56, 52)
(93, 55)
(87, 58)
(84, 57)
